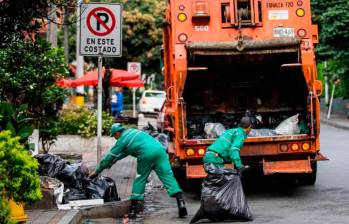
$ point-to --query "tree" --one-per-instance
(333, 20)
(20, 19)
(29, 72)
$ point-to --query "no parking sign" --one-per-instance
(100, 30)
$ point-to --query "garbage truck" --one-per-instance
(225, 59)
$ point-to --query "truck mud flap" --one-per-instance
(320, 157)
(197, 171)
(289, 166)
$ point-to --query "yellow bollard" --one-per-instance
(78, 100)
(17, 212)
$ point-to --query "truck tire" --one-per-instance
(309, 178)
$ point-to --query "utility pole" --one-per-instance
(79, 59)
(325, 71)
(52, 26)
(66, 34)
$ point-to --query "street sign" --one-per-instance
(134, 67)
(100, 30)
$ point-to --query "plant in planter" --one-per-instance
(19, 179)
(82, 121)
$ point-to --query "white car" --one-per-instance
(152, 101)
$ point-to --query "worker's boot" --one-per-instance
(132, 213)
(182, 210)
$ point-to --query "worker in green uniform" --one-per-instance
(226, 148)
(151, 155)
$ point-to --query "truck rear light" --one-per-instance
(182, 37)
(306, 146)
(181, 7)
(294, 147)
(182, 17)
(302, 33)
(201, 152)
(300, 12)
(283, 148)
(190, 152)
(200, 9)
(299, 3)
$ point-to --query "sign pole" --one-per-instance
(100, 36)
(134, 67)
(99, 111)
(134, 101)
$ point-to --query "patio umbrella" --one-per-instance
(128, 83)
(64, 83)
(91, 78)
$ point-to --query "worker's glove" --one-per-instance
(242, 169)
(93, 175)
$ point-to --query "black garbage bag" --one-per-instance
(73, 195)
(161, 137)
(74, 176)
(50, 165)
(222, 197)
(103, 188)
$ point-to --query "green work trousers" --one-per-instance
(214, 158)
(158, 161)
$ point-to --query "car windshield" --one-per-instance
(155, 94)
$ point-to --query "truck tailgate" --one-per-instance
(289, 166)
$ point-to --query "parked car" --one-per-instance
(152, 101)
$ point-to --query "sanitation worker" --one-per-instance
(151, 155)
(226, 148)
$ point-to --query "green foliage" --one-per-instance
(29, 72)
(333, 20)
(19, 179)
(5, 212)
(82, 121)
(17, 120)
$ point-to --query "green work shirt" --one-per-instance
(228, 145)
(131, 142)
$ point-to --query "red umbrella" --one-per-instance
(91, 77)
(128, 83)
(122, 75)
(64, 83)
(120, 78)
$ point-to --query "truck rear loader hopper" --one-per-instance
(265, 76)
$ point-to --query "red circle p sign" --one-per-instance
(103, 20)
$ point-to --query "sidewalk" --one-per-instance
(122, 179)
(337, 120)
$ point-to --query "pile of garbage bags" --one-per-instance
(161, 137)
(74, 178)
(222, 197)
(208, 129)
(288, 126)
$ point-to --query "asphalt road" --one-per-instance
(325, 202)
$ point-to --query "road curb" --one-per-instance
(108, 210)
(335, 124)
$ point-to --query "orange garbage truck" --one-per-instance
(224, 59)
